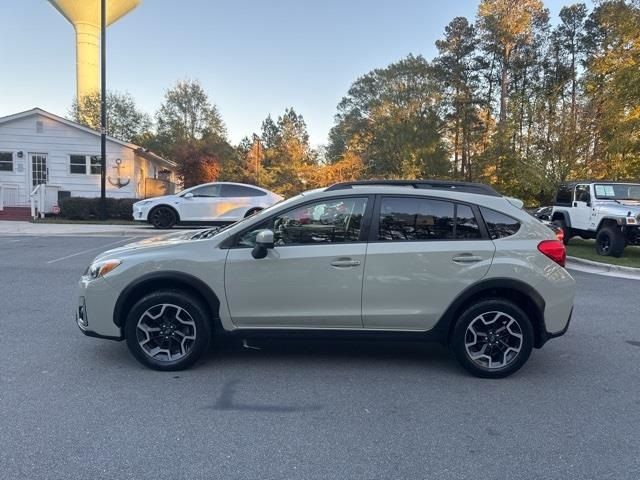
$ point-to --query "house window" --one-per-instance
(83, 164)
(78, 164)
(6, 162)
(95, 166)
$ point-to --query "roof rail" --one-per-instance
(466, 187)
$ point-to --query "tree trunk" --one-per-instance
(504, 86)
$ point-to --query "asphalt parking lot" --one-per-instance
(76, 407)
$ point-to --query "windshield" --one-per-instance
(618, 191)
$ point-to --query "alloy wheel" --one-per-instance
(493, 340)
(162, 217)
(166, 332)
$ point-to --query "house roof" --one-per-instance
(38, 111)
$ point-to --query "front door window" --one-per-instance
(329, 221)
(38, 168)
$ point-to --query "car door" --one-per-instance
(581, 208)
(423, 253)
(201, 205)
(312, 278)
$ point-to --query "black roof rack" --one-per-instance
(466, 187)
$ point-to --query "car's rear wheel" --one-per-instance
(610, 242)
(251, 212)
(163, 217)
(493, 338)
(168, 330)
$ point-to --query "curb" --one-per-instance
(605, 267)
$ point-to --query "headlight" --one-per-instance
(100, 269)
(142, 203)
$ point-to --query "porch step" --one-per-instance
(15, 213)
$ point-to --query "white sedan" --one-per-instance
(220, 202)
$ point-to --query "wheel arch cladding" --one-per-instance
(607, 222)
(521, 294)
(176, 213)
(165, 280)
(562, 215)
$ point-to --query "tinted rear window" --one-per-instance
(499, 224)
(413, 219)
(466, 223)
(240, 191)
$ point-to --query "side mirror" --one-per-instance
(188, 195)
(264, 241)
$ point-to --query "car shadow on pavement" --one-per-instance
(312, 351)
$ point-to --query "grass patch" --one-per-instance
(587, 250)
(83, 222)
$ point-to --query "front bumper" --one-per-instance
(94, 311)
(140, 214)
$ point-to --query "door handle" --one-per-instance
(467, 258)
(345, 262)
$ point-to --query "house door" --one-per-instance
(39, 170)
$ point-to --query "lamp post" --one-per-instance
(103, 110)
(256, 139)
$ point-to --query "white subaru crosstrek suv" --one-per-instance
(219, 202)
(456, 262)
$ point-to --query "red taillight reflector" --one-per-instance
(555, 250)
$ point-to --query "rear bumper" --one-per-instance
(545, 336)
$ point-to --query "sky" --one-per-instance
(253, 57)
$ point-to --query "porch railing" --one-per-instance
(5, 196)
(43, 198)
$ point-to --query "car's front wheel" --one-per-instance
(168, 330)
(493, 338)
(163, 217)
(610, 241)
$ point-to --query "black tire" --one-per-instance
(163, 217)
(610, 242)
(567, 233)
(251, 212)
(193, 312)
(500, 340)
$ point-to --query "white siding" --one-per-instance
(58, 141)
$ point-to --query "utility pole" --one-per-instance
(256, 139)
(103, 110)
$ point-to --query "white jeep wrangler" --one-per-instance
(606, 211)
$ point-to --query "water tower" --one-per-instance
(84, 15)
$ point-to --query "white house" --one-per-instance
(47, 155)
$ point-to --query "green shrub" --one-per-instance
(83, 208)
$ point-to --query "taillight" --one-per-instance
(555, 250)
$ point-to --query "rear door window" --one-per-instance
(467, 227)
(415, 219)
